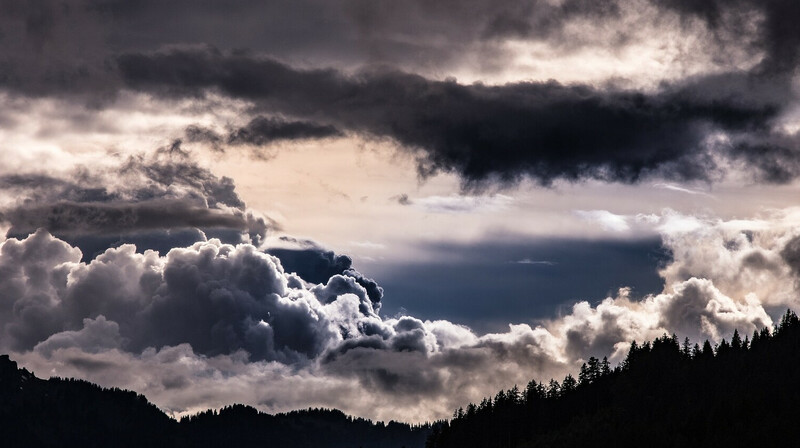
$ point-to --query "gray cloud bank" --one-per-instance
(700, 127)
(542, 130)
(232, 321)
(147, 199)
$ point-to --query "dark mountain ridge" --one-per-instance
(665, 394)
(68, 412)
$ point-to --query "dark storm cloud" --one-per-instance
(102, 218)
(543, 130)
(159, 201)
(262, 131)
(317, 265)
(775, 159)
(199, 134)
(547, 130)
(791, 255)
(218, 298)
(171, 167)
(539, 19)
(51, 47)
(779, 36)
(312, 264)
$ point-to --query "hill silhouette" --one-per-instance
(68, 412)
(666, 393)
(743, 392)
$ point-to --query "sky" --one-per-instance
(389, 207)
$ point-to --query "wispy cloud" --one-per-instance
(368, 245)
(607, 220)
(463, 204)
(679, 189)
(537, 262)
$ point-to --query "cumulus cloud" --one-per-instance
(233, 319)
(316, 265)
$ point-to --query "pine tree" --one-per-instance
(532, 392)
(686, 348)
(594, 368)
(583, 376)
(569, 384)
(736, 341)
(513, 396)
(605, 366)
(553, 389)
(708, 351)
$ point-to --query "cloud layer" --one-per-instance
(231, 318)
(721, 118)
(543, 130)
(159, 201)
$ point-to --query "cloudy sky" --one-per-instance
(388, 207)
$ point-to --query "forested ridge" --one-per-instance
(67, 412)
(667, 393)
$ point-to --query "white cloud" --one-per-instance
(368, 245)
(226, 320)
(463, 204)
(607, 220)
(679, 189)
(539, 262)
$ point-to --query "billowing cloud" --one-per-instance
(211, 315)
(228, 318)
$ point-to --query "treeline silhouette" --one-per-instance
(67, 412)
(742, 392)
(240, 425)
(666, 393)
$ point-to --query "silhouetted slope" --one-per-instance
(240, 425)
(58, 412)
(666, 394)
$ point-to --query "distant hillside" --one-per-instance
(666, 394)
(66, 412)
(240, 425)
